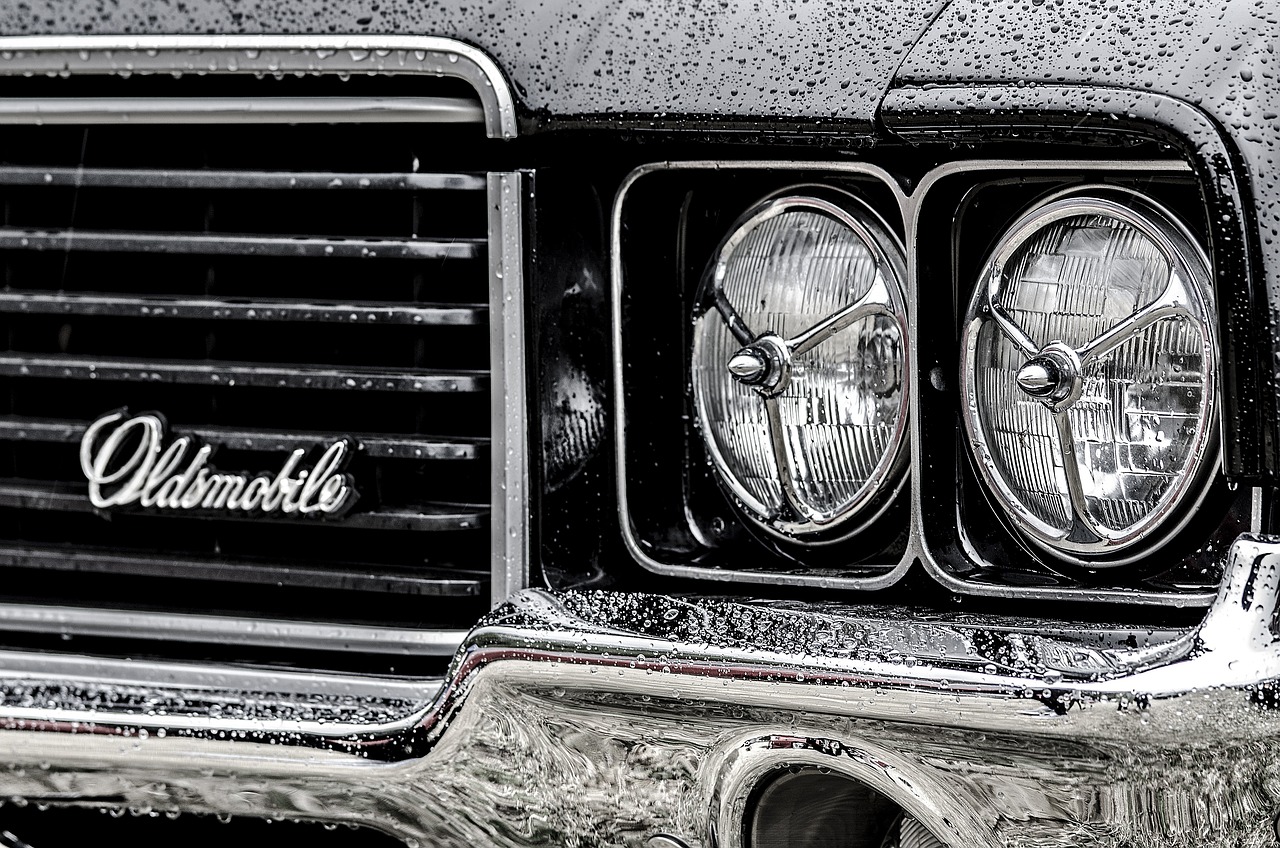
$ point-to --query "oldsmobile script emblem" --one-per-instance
(127, 463)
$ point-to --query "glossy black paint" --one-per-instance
(567, 309)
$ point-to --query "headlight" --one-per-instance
(1088, 373)
(799, 357)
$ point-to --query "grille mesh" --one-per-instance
(265, 288)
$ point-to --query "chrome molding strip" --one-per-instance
(509, 521)
(228, 630)
(228, 244)
(892, 572)
(181, 178)
(186, 677)
(19, 301)
(239, 110)
(258, 54)
(909, 204)
(568, 713)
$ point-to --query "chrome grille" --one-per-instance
(259, 309)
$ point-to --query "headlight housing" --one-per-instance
(1089, 360)
(799, 362)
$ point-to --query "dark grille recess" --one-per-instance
(264, 288)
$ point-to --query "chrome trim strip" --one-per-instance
(171, 178)
(81, 670)
(22, 428)
(185, 627)
(235, 244)
(243, 374)
(320, 54)
(909, 205)
(349, 576)
(17, 302)
(426, 517)
(509, 521)
(893, 572)
(237, 110)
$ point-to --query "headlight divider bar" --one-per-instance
(509, 517)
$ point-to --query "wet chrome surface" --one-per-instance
(248, 54)
(596, 718)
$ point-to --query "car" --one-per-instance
(651, 424)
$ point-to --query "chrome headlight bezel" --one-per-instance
(796, 520)
(1085, 542)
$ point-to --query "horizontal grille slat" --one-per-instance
(230, 374)
(211, 110)
(387, 446)
(68, 497)
(231, 244)
(16, 301)
(356, 577)
(222, 179)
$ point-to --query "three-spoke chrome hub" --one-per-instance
(1054, 376)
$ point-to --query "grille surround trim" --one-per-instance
(105, 54)
(328, 56)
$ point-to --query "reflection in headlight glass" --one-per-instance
(840, 408)
(1143, 404)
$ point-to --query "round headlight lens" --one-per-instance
(799, 361)
(1088, 375)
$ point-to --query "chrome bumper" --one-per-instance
(608, 719)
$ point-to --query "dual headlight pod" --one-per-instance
(1088, 359)
(799, 362)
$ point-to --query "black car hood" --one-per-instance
(798, 59)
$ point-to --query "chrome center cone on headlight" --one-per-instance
(799, 362)
(1088, 377)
